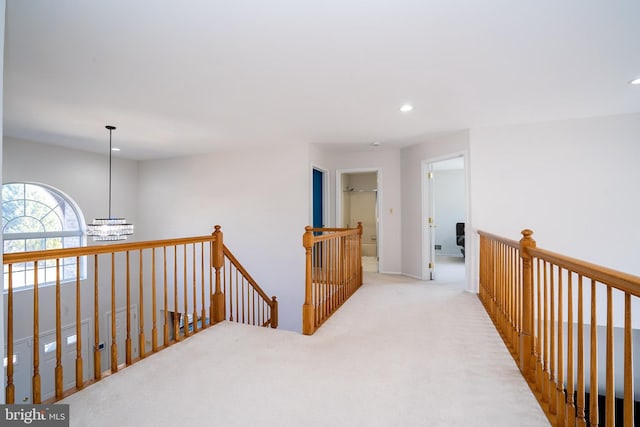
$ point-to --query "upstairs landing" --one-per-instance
(400, 352)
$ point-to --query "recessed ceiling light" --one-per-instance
(635, 81)
(115, 149)
(406, 108)
(375, 144)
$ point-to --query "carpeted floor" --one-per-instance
(400, 352)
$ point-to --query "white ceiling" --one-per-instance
(179, 78)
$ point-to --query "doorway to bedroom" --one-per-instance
(444, 239)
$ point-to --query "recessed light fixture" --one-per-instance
(405, 108)
(375, 144)
(115, 149)
(635, 81)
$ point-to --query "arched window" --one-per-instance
(37, 217)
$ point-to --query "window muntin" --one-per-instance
(37, 217)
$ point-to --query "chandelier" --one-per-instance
(109, 229)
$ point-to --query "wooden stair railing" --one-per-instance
(544, 305)
(181, 281)
(247, 302)
(333, 272)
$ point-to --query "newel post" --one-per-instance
(308, 311)
(217, 299)
(527, 362)
(274, 312)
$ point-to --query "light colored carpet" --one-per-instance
(400, 352)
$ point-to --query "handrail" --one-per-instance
(17, 257)
(172, 289)
(262, 318)
(531, 295)
(333, 272)
(508, 242)
(619, 280)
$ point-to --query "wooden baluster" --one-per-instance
(561, 408)
(570, 406)
(176, 315)
(97, 370)
(321, 283)
(333, 277)
(195, 292)
(185, 296)
(154, 308)
(253, 307)
(238, 297)
(593, 382)
(230, 290)
(274, 312)
(610, 394)
(580, 410)
(499, 290)
(10, 390)
(203, 313)
(628, 363)
(553, 398)
(35, 382)
(166, 300)
(211, 287)
(243, 297)
(142, 344)
(539, 357)
(513, 301)
(58, 370)
(218, 262)
(127, 340)
(114, 345)
(545, 339)
(210, 269)
(313, 278)
(518, 302)
(326, 265)
(79, 362)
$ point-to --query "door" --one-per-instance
(318, 199)
(431, 223)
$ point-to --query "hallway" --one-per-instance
(400, 352)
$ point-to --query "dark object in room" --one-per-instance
(460, 236)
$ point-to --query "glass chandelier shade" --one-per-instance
(109, 229)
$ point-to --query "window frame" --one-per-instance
(80, 233)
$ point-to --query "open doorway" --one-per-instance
(444, 239)
(358, 202)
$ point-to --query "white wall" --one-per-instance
(260, 198)
(576, 183)
(436, 148)
(387, 162)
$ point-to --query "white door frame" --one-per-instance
(426, 208)
(378, 171)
